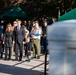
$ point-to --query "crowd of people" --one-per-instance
(27, 35)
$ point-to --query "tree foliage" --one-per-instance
(39, 7)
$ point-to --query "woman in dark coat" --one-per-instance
(8, 41)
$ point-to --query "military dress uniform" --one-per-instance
(36, 34)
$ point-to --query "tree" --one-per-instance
(39, 7)
(7, 4)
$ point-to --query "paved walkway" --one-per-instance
(34, 67)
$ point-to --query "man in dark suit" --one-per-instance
(19, 34)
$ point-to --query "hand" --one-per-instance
(32, 36)
(3, 42)
(28, 51)
(2, 35)
(13, 42)
(44, 35)
(23, 42)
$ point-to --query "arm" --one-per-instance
(4, 37)
(14, 35)
(23, 33)
(38, 34)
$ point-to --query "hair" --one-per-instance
(9, 25)
(36, 21)
(28, 36)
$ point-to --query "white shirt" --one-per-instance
(18, 28)
(36, 31)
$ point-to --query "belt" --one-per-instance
(35, 39)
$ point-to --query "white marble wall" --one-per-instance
(62, 48)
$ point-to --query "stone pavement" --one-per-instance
(34, 67)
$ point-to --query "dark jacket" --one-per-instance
(8, 39)
(19, 35)
(44, 29)
(28, 47)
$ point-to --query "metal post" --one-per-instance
(45, 64)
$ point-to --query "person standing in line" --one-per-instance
(1, 43)
(1, 47)
(26, 34)
(2, 30)
(29, 25)
(35, 39)
(27, 48)
(44, 37)
(14, 25)
(19, 35)
(27, 44)
(8, 41)
(25, 23)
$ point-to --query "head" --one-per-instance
(33, 23)
(54, 20)
(2, 22)
(36, 24)
(15, 23)
(19, 22)
(29, 22)
(9, 27)
(45, 23)
(25, 22)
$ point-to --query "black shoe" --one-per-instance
(33, 57)
(1, 57)
(20, 59)
(16, 59)
(38, 57)
(28, 60)
(9, 58)
(5, 58)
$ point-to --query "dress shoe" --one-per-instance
(16, 59)
(33, 57)
(5, 58)
(28, 60)
(20, 59)
(1, 57)
(38, 57)
(9, 58)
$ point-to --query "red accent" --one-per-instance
(28, 51)
(33, 29)
(0, 42)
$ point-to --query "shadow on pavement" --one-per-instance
(12, 70)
